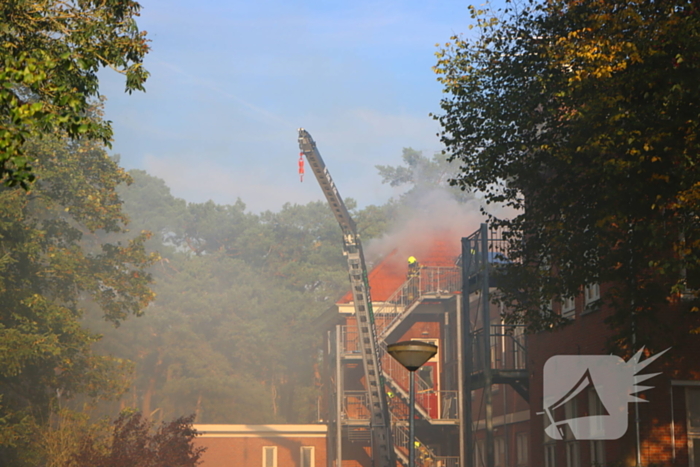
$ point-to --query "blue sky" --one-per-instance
(232, 81)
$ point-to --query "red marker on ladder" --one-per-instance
(301, 166)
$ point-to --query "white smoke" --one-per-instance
(432, 215)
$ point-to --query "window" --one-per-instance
(573, 457)
(571, 445)
(595, 409)
(549, 455)
(496, 346)
(519, 347)
(597, 453)
(521, 448)
(547, 307)
(425, 373)
(568, 307)
(307, 456)
(479, 454)
(269, 456)
(499, 452)
(591, 293)
(571, 414)
(692, 402)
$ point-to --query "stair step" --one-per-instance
(359, 434)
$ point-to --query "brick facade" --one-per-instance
(244, 445)
(662, 418)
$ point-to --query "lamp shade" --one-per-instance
(412, 354)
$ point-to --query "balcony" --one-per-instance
(355, 409)
(508, 358)
(425, 457)
(431, 283)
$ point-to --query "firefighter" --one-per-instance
(391, 400)
(422, 454)
(413, 278)
(413, 267)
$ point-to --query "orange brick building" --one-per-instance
(663, 431)
(430, 308)
(423, 307)
(668, 422)
(262, 445)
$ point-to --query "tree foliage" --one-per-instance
(422, 175)
(51, 51)
(52, 264)
(231, 336)
(134, 443)
(584, 115)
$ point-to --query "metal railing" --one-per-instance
(431, 280)
(430, 403)
(508, 349)
(435, 405)
(425, 457)
(350, 344)
(446, 461)
(449, 406)
(400, 433)
(498, 250)
(354, 406)
(399, 374)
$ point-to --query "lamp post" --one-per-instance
(412, 355)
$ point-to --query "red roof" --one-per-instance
(390, 273)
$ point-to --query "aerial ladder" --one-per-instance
(380, 423)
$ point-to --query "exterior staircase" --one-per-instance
(431, 283)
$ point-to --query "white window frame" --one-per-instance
(568, 307)
(595, 407)
(312, 457)
(479, 453)
(519, 352)
(573, 454)
(571, 414)
(521, 445)
(591, 293)
(495, 342)
(550, 455)
(693, 431)
(499, 452)
(597, 452)
(571, 445)
(273, 450)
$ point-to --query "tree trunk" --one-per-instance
(151, 389)
(198, 409)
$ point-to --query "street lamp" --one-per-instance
(412, 355)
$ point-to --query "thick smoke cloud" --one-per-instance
(428, 216)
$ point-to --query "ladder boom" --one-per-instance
(382, 446)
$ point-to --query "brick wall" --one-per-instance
(590, 335)
(242, 445)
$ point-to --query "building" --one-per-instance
(512, 418)
(423, 306)
(499, 386)
(262, 445)
(662, 430)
